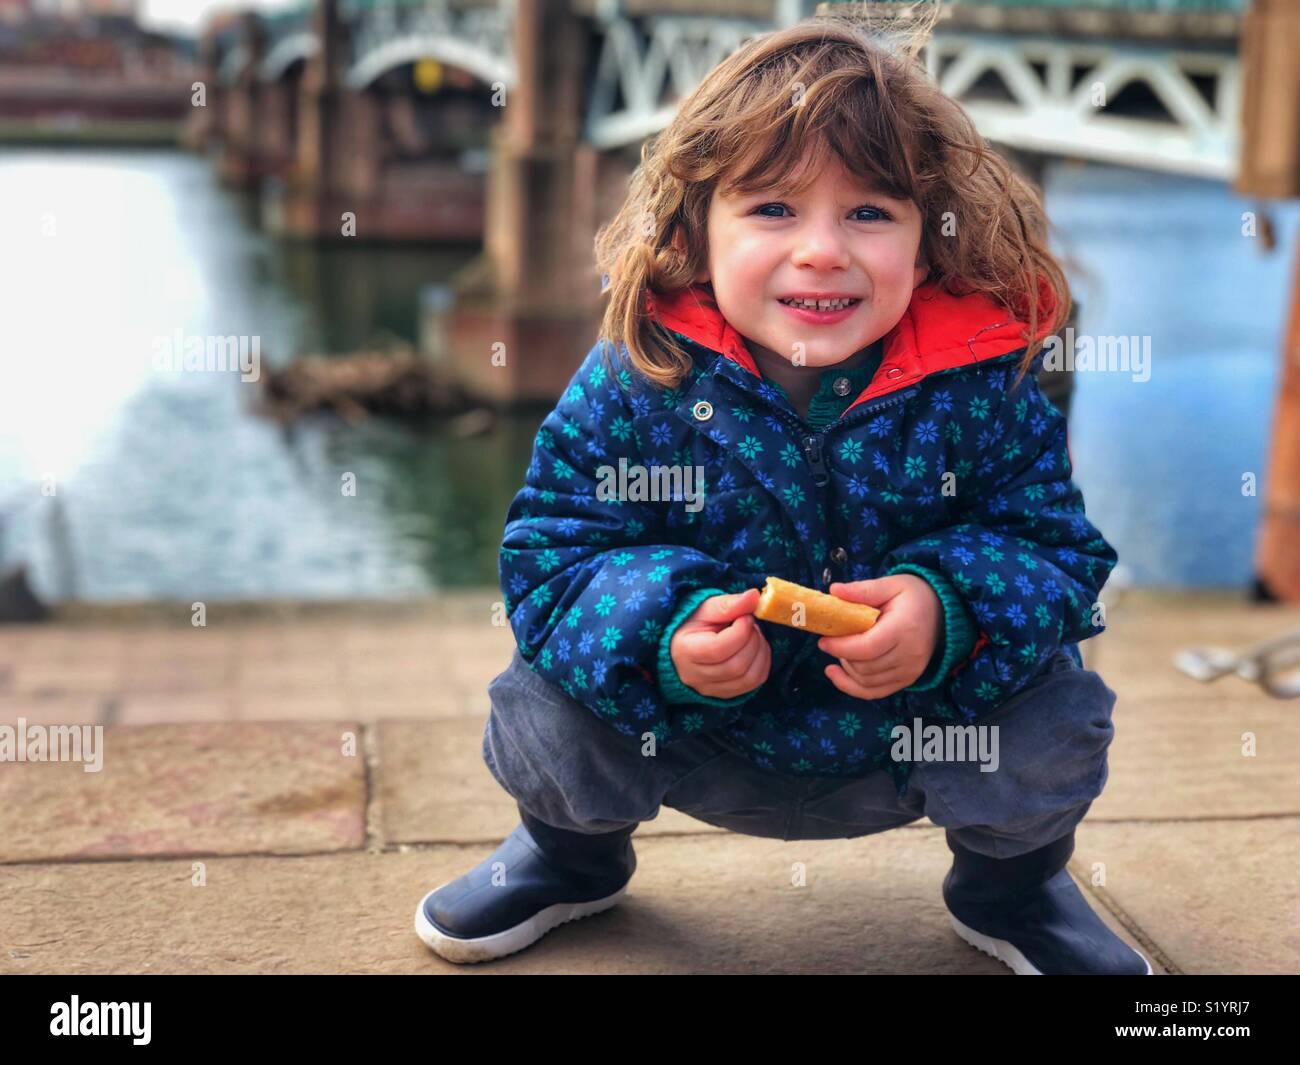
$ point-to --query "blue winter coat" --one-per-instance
(595, 586)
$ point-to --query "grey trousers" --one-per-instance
(570, 769)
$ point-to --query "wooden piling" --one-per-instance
(1269, 167)
(1277, 564)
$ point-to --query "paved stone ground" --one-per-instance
(281, 787)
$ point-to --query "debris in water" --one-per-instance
(356, 386)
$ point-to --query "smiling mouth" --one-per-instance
(820, 305)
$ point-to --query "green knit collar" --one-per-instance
(826, 405)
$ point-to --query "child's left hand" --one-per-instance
(895, 651)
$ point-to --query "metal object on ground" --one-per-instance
(1274, 664)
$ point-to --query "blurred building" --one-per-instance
(79, 8)
(96, 37)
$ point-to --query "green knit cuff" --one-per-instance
(959, 629)
(670, 684)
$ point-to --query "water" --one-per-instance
(171, 488)
(1161, 461)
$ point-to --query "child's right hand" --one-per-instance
(719, 650)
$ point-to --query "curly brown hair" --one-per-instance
(826, 84)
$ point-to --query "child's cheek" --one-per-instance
(745, 257)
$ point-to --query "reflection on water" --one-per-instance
(172, 489)
(1161, 461)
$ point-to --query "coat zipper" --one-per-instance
(812, 447)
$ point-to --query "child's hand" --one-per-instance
(719, 650)
(895, 651)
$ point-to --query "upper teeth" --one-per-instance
(820, 305)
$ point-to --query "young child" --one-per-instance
(826, 295)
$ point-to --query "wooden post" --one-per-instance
(1269, 160)
(241, 155)
(1277, 560)
(202, 128)
(524, 315)
(318, 98)
(538, 252)
(1270, 168)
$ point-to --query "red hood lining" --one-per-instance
(938, 331)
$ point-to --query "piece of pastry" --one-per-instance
(823, 614)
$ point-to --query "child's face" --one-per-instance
(832, 238)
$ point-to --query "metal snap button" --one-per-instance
(827, 576)
(841, 386)
(703, 410)
(839, 556)
(894, 371)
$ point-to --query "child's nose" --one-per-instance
(821, 247)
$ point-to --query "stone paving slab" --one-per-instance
(1178, 748)
(422, 703)
(1145, 631)
(83, 709)
(226, 788)
(148, 707)
(289, 703)
(290, 671)
(1198, 843)
(46, 678)
(160, 708)
(1169, 759)
(434, 787)
(297, 676)
(1216, 896)
(1142, 682)
(293, 704)
(1179, 760)
(1172, 618)
(697, 904)
(172, 675)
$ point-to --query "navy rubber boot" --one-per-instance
(545, 877)
(1027, 912)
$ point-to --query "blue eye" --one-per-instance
(884, 215)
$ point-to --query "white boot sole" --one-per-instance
(524, 934)
(1006, 952)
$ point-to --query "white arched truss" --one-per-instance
(646, 64)
(652, 63)
(489, 69)
(1047, 115)
(476, 40)
(297, 46)
(233, 64)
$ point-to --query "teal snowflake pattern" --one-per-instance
(593, 587)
